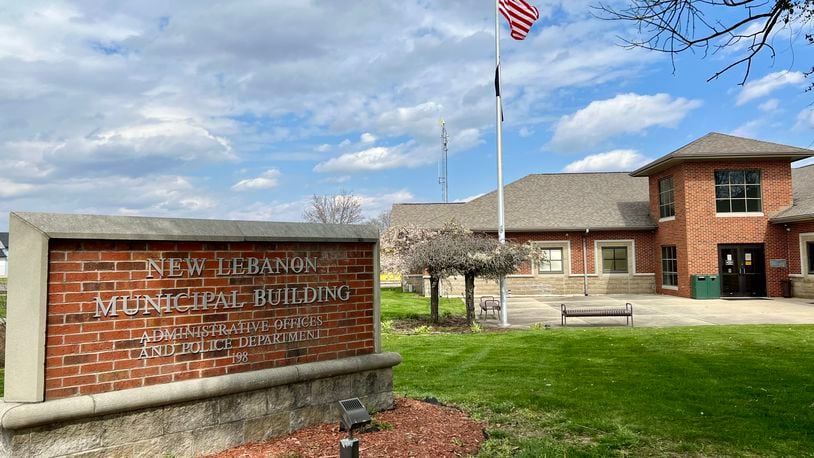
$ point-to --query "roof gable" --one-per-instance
(722, 146)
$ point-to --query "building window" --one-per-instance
(667, 206)
(669, 266)
(737, 191)
(614, 259)
(551, 261)
(810, 246)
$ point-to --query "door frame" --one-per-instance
(742, 276)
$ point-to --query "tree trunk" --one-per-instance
(434, 293)
(469, 287)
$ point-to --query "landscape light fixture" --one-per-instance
(354, 415)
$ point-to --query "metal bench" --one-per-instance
(583, 311)
(489, 303)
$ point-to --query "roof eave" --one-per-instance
(666, 162)
(568, 229)
(792, 219)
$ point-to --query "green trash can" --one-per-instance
(698, 284)
(713, 286)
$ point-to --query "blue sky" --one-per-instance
(245, 109)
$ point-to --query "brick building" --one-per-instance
(721, 207)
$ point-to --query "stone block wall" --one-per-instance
(203, 426)
(416, 283)
(803, 287)
(556, 285)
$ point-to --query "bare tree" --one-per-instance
(746, 26)
(382, 221)
(342, 208)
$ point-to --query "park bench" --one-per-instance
(589, 310)
(489, 303)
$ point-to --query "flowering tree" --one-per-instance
(437, 256)
(480, 256)
(452, 250)
(397, 242)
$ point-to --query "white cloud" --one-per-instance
(372, 205)
(270, 211)
(749, 129)
(336, 179)
(525, 132)
(376, 158)
(465, 139)
(805, 119)
(419, 118)
(611, 161)
(623, 114)
(768, 84)
(267, 180)
(143, 110)
(769, 105)
(10, 188)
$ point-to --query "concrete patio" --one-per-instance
(657, 310)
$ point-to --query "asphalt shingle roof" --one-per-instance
(722, 146)
(4, 239)
(546, 202)
(802, 182)
(610, 200)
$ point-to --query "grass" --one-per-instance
(406, 306)
(691, 391)
(3, 281)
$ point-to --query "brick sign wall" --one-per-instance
(130, 314)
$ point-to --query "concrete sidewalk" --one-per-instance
(658, 310)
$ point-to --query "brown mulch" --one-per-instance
(419, 429)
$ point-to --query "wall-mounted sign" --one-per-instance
(778, 263)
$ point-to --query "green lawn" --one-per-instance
(694, 391)
(407, 306)
(3, 281)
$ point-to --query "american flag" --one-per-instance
(520, 15)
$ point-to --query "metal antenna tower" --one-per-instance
(442, 173)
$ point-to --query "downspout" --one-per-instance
(585, 262)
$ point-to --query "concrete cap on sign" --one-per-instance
(19, 416)
(71, 226)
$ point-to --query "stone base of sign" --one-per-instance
(196, 417)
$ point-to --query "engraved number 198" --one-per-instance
(240, 357)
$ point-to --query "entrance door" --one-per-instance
(743, 271)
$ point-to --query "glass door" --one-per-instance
(742, 270)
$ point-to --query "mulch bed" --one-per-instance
(412, 429)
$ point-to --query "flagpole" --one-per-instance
(501, 229)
